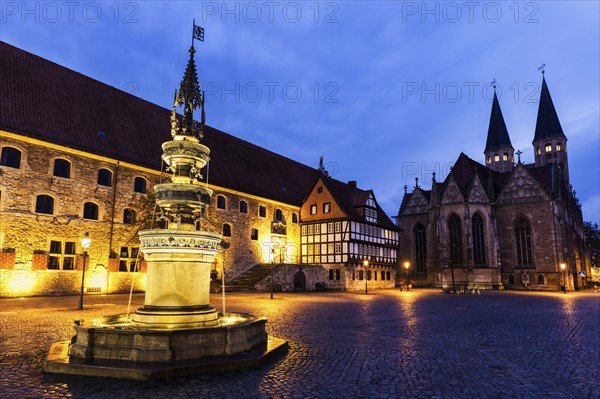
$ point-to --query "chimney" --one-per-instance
(352, 183)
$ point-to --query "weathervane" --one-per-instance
(494, 84)
(542, 68)
(197, 33)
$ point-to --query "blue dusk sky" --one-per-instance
(386, 91)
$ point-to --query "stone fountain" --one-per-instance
(176, 332)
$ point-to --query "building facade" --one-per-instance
(79, 156)
(502, 224)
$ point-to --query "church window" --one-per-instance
(523, 242)
(128, 216)
(104, 177)
(254, 234)
(420, 248)
(90, 211)
(44, 204)
(489, 159)
(548, 147)
(139, 185)
(220, 202)
(62, 168)
(505, 156)
(496, 158)
(327, 207)
(61, 255)
(262, 211)
(294, 217)
(455, 240)
(538, 150)
(278, 215)
(478, 240)
(10, 157)
(243, 207)
(558, 146)
(226, 230)
(541, 280)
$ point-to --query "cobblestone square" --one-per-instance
(388, 344)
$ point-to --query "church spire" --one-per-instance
(499, 152)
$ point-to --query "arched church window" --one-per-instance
(505, 156)
(523, 242)
(455, 240)
(538, 150)
(496, 158)
(558, 146)
(478, 240)
(548, 147)
(489, 159)
(420, 248)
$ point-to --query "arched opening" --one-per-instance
(299, 281)
(541, 280)
(420, 247)
(478, 240)
(523, 242)
(10, 157)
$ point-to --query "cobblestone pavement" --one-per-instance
(388, 344)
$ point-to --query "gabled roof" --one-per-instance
(548, 124)
(46, 101)
(497, 136)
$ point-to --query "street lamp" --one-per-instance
(85, 244)
(366, 264)
(272, 266)
(407, 266)
(563, 267)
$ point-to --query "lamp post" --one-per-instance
(366, 265)
(563, 267)
(85, 244)
(406, 267)
(272, 266)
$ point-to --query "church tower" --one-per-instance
(499, 152)
(549, 142)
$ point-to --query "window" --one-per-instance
(548, 147)
(360, 275)
(382, 275)
(338, 227)
(330, 227)
(104, 177)
(420, 238)
(243, 207)
(62, 255)
(558, 148)
(278, 215)
(538, 151)
(541, 280)
(90, 211)
(327, 207)
(127, 259)
(523, 242)
(388, 276)
(128, 216)
(304, 230)
(455, 240)
(254, 234)
(313, 209)
(44, 204)
(320, 190)
(294, 217)
(505, 156)
(262, 211)
(11, 157)
(331, 274)
(478, 240)
(489, 159)
(338, 248)
(337, 274)
(62, 168)
(368, 275)
(496, 158)
(226, 230)
(139, 185)
(511, 279)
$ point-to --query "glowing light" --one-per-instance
(23, 282)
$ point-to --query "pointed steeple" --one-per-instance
(499, 152)
(548, 124)
(190, 97)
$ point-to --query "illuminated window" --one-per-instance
(262, 211)
(304, 230)
(489, 159)
(139, 185)
(558, 148)
(317, 229)
(455, 240)
(523, 242)
(420, 248)
(313, 209)
(104, 177)
(330, 249)
(294, 217)
(311, 229)
(129, 216)
(548, 147)
(243, 207)
(254, 234)
(338, 248)
(478, 240)
(90, 211)
(10, 157)
(62, 168)
(505, 156)
(330, 227)
(538, 150)
(496, 158)
(127, 259)
(226, 230)
(44, 204)
(278, 215)
(221, 202)
(338, 227)
(327, 207)
(61, 255)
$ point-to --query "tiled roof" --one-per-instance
(497, 132)
(46, 101)
(548, 124)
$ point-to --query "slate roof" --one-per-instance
(548, 124)
(497, 136)
(46, 101)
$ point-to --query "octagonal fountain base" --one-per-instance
(119, 349)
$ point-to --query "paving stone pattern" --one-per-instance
(388, 344)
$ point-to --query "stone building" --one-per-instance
(80, 156)
(502, 224)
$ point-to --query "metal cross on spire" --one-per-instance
(519, 152)
(542, 68)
